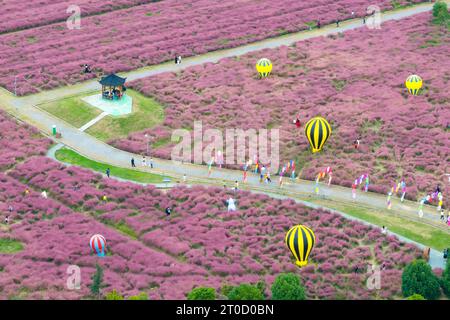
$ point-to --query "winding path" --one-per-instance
(27, 109)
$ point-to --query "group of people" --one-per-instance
(144, 162)
(177, 59)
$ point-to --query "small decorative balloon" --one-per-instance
(300, 240)
(264, 67)
(413, 83)
(98, 244)
(317, 131)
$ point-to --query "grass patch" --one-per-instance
(419, 232)
(10, 246)
(70, 156)
(339, 84)
(72, 110)
(146, 114)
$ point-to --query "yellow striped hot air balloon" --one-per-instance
(317, 131)
(413, 83)
(300, 240)
(264, 67)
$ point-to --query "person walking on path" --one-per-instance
(337, 23)
(442, 215)
(151, 163)
(384, 230)
(184, 178)
(354, 190)
(133, 165)
(236, 185)
(318, 24)
(108, 172)
(144, 161)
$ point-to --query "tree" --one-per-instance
(287, 286)
(245, 292)
(140, 296)
(97, 281)
(113, 295)
(440, 13)
(445, 281)
(418, 278)
(415, 297)
(202, 293)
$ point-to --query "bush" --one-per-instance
(202, 294)
(418, 278)
(97, 281)
(287, 286)
(440, 13)
(415, 297)
(245, 292)
(140, 296)
(226, 289)
(113, 295)
(445, 281)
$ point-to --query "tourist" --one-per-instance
(151, 163)
(144, 161)
(443, 215)
(297, 123)
(268, 177)
(44, 194)
(231, 205)
(184, 178)
(318, 24)
(176, 59)
(10, 209)
(179, 59)
(337, 23)
(384, 230)
(354, 190)
(108, 172)
(87, 68)
(448, 220)
(236, 185)
(132, 163)
(7, 220)
(364, 19)
(168, 211)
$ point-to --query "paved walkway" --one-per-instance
(93, 121)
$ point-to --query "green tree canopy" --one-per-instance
(287, 286)
(202, 293)
(245, 291)
(418, 278)
(446, 279)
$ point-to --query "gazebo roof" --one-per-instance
(112, 80)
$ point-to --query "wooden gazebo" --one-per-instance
(113, 87)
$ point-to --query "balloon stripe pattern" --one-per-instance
(264, 67)
(413, 83)
(98, 244)
(300, 240)
(317, 131)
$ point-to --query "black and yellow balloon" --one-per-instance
(413, 84)
(300, 240)
(264, 67)
(317, 131)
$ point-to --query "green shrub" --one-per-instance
(226, 289)
(441, 14)
(97, 281)
(287, 286)
(202, 293)
(415, 297)
(418, 278)
(445, 281)
(113, 295)
(140, 296)
(245, 292)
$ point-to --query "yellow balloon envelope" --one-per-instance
(317, 131)
(300, 240)
(413, 83)
(264, 67)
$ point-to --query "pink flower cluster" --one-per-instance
(17, 15)
(360, 93)
(18, 142)
(53, 55)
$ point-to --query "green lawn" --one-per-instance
(147, 113)
(420, 232)
(70, 156)
(72, 110)
(10, 246)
